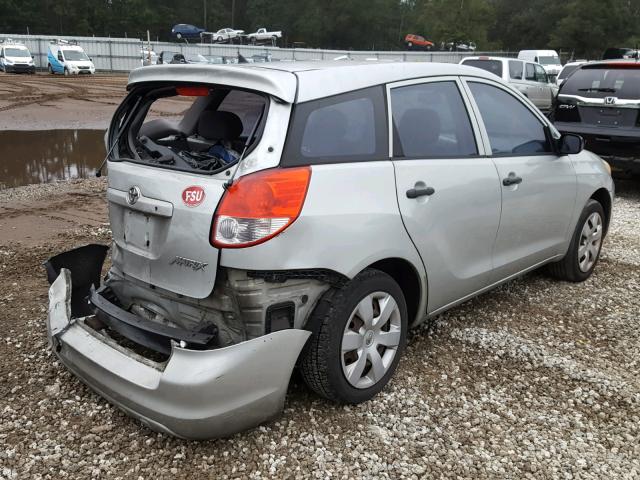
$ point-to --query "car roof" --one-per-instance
(489, 57)
(295, 82)
(613, 62)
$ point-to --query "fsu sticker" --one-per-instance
(193, 196)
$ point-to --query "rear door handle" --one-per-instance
(420, 192)
(512, 179)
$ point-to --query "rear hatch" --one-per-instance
(606, 96)
(161, 224)
(175, 148)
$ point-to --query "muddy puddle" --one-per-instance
(47, 156)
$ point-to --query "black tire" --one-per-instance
(568, 268)
(50, 69)
(321, 359)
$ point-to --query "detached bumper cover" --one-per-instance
(198, 394)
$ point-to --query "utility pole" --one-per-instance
(204, 8)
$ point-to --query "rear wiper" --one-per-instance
(604, 90)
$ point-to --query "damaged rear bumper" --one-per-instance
(195, 394)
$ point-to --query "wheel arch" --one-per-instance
(407, 277)
(603, 197)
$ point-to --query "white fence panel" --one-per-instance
(125, 54)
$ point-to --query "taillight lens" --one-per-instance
(259, 206)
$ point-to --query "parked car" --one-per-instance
(458, 46)
(417, 42)
(601, 102)
(15, 58)
(168, 56)
(549, 59)
(221, 59)
(227, 34)
(195, 58)
(567, 70)
(68, 58)
(263, 35)
(618, 53)
(184, 30)
(320, 241)
(528, 78)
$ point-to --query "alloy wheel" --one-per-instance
(590, 242)
(370, 339)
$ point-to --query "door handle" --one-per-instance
(512, 179)
(420, 192)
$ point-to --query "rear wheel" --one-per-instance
(584, 250)
(359, 334)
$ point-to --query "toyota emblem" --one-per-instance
(133, 195)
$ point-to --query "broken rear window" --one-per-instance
(200, 128)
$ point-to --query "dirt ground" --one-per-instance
(42, 101)
(537, 379)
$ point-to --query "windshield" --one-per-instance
(74, 55)
(493, 66)
(17, 52)
(189, 128)
(548, 60)
(604, 82)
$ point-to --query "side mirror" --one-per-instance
(570, 144)
(91, 59)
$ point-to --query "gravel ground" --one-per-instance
(537, 379)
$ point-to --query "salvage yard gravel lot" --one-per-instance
(537, 379)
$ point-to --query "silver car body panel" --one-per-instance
(343, 201)
(195, 394)
(279, 84)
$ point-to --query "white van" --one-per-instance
(528, 78)
(549, 59)
(15, 58)
(68, 58)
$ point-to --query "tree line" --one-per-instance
(583, 27)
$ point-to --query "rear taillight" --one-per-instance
(259, 206)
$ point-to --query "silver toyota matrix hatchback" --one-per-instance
(306, 215)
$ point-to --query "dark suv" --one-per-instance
(601, 102)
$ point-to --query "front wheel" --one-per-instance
(584, 250)
(359, 335)
(50, 69)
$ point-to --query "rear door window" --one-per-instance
(604, 82)
(492, 66)
(349, 127)
(512, 128)
(515, 69)
(430, 121)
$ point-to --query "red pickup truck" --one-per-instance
(417, 42)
